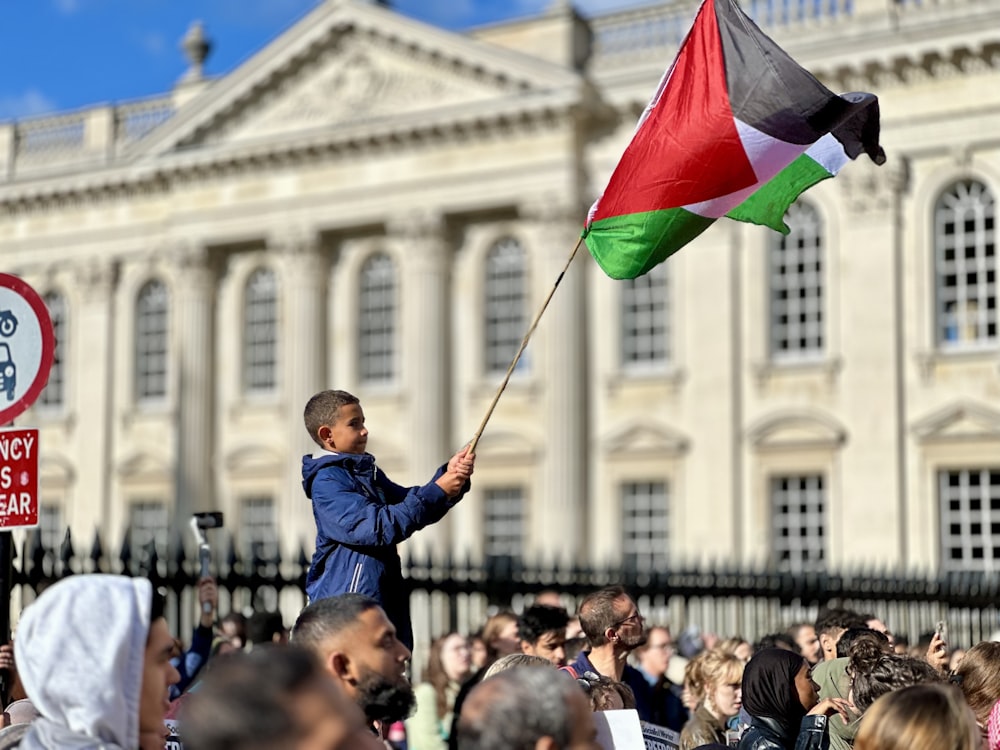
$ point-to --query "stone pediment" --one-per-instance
(499, 446)
(55, 472)
(962, 421)
(350, 63)
(254, 460)
(646, 439)
(797, 430)
(144, 466)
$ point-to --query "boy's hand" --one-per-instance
(462, 463)
(451, 482)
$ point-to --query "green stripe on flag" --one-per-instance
(768, 204)
(628, 246)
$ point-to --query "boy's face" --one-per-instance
(347, 434)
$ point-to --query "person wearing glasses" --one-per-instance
(614, 628)
(653, 660)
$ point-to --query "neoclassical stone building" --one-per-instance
(373, 204)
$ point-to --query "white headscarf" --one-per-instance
(80, 652)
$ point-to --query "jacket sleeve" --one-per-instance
(395, 494)
(813, 734)
(345, 514)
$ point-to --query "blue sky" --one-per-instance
(67, 54)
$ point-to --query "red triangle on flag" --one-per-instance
(687, 150)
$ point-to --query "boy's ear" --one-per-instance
(324, 433)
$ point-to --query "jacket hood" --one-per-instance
(354, 462)
(80, 651)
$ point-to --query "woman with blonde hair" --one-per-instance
(720, 675)
(921, 717)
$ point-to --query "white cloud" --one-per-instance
(31, 102)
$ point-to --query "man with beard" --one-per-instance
(614, 628)
(356, 644)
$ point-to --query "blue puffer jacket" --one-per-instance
(361, 515)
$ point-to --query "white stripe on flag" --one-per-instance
(768, 156)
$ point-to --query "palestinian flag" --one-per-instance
(735, 128)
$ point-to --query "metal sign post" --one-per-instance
(27, 350)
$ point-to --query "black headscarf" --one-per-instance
(769, 688)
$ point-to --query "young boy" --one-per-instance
(360, 514)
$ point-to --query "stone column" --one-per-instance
(303, 353)
(561, 356)
(426, 361)
(93, 385)
(194, 378)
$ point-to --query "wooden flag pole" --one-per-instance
(520, 351)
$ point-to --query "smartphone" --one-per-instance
(941, 631)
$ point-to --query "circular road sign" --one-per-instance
(27, 346)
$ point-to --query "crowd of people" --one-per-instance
(95, 666)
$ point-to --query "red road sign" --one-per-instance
(18, 478)
(27, 346)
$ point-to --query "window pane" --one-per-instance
(258, 535)
(151, 342)
(796, 281)
(148, 529)
(798, 512)
(258, 538)
(503, 524)
(506, 320)
(969, 500)
(260, 332)
(965, 266)
(54, 393)
(51, 530)
(645, 321)
(645, 529)
(377, 319)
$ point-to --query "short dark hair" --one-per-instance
(322, 409)
(777, 640)
(540, 619)
(832, 620)
(263, 626)
(157, 606)
(875, 673)
(328, 617)
(597, 613)
(852, 635)
(246, 700)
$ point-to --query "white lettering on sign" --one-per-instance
(15, 503)
(16, 448)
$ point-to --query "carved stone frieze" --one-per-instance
(867, 189)
(352, 81)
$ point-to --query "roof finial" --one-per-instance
(196, 48)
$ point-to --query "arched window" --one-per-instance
(377, 320)
(54, 394)
(645, 321)
(796, 286)
(260, 332)
(505, 320)
(151, 341)
(965, 266)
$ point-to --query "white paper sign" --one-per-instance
(619, 730)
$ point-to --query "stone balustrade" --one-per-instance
(77, 139)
